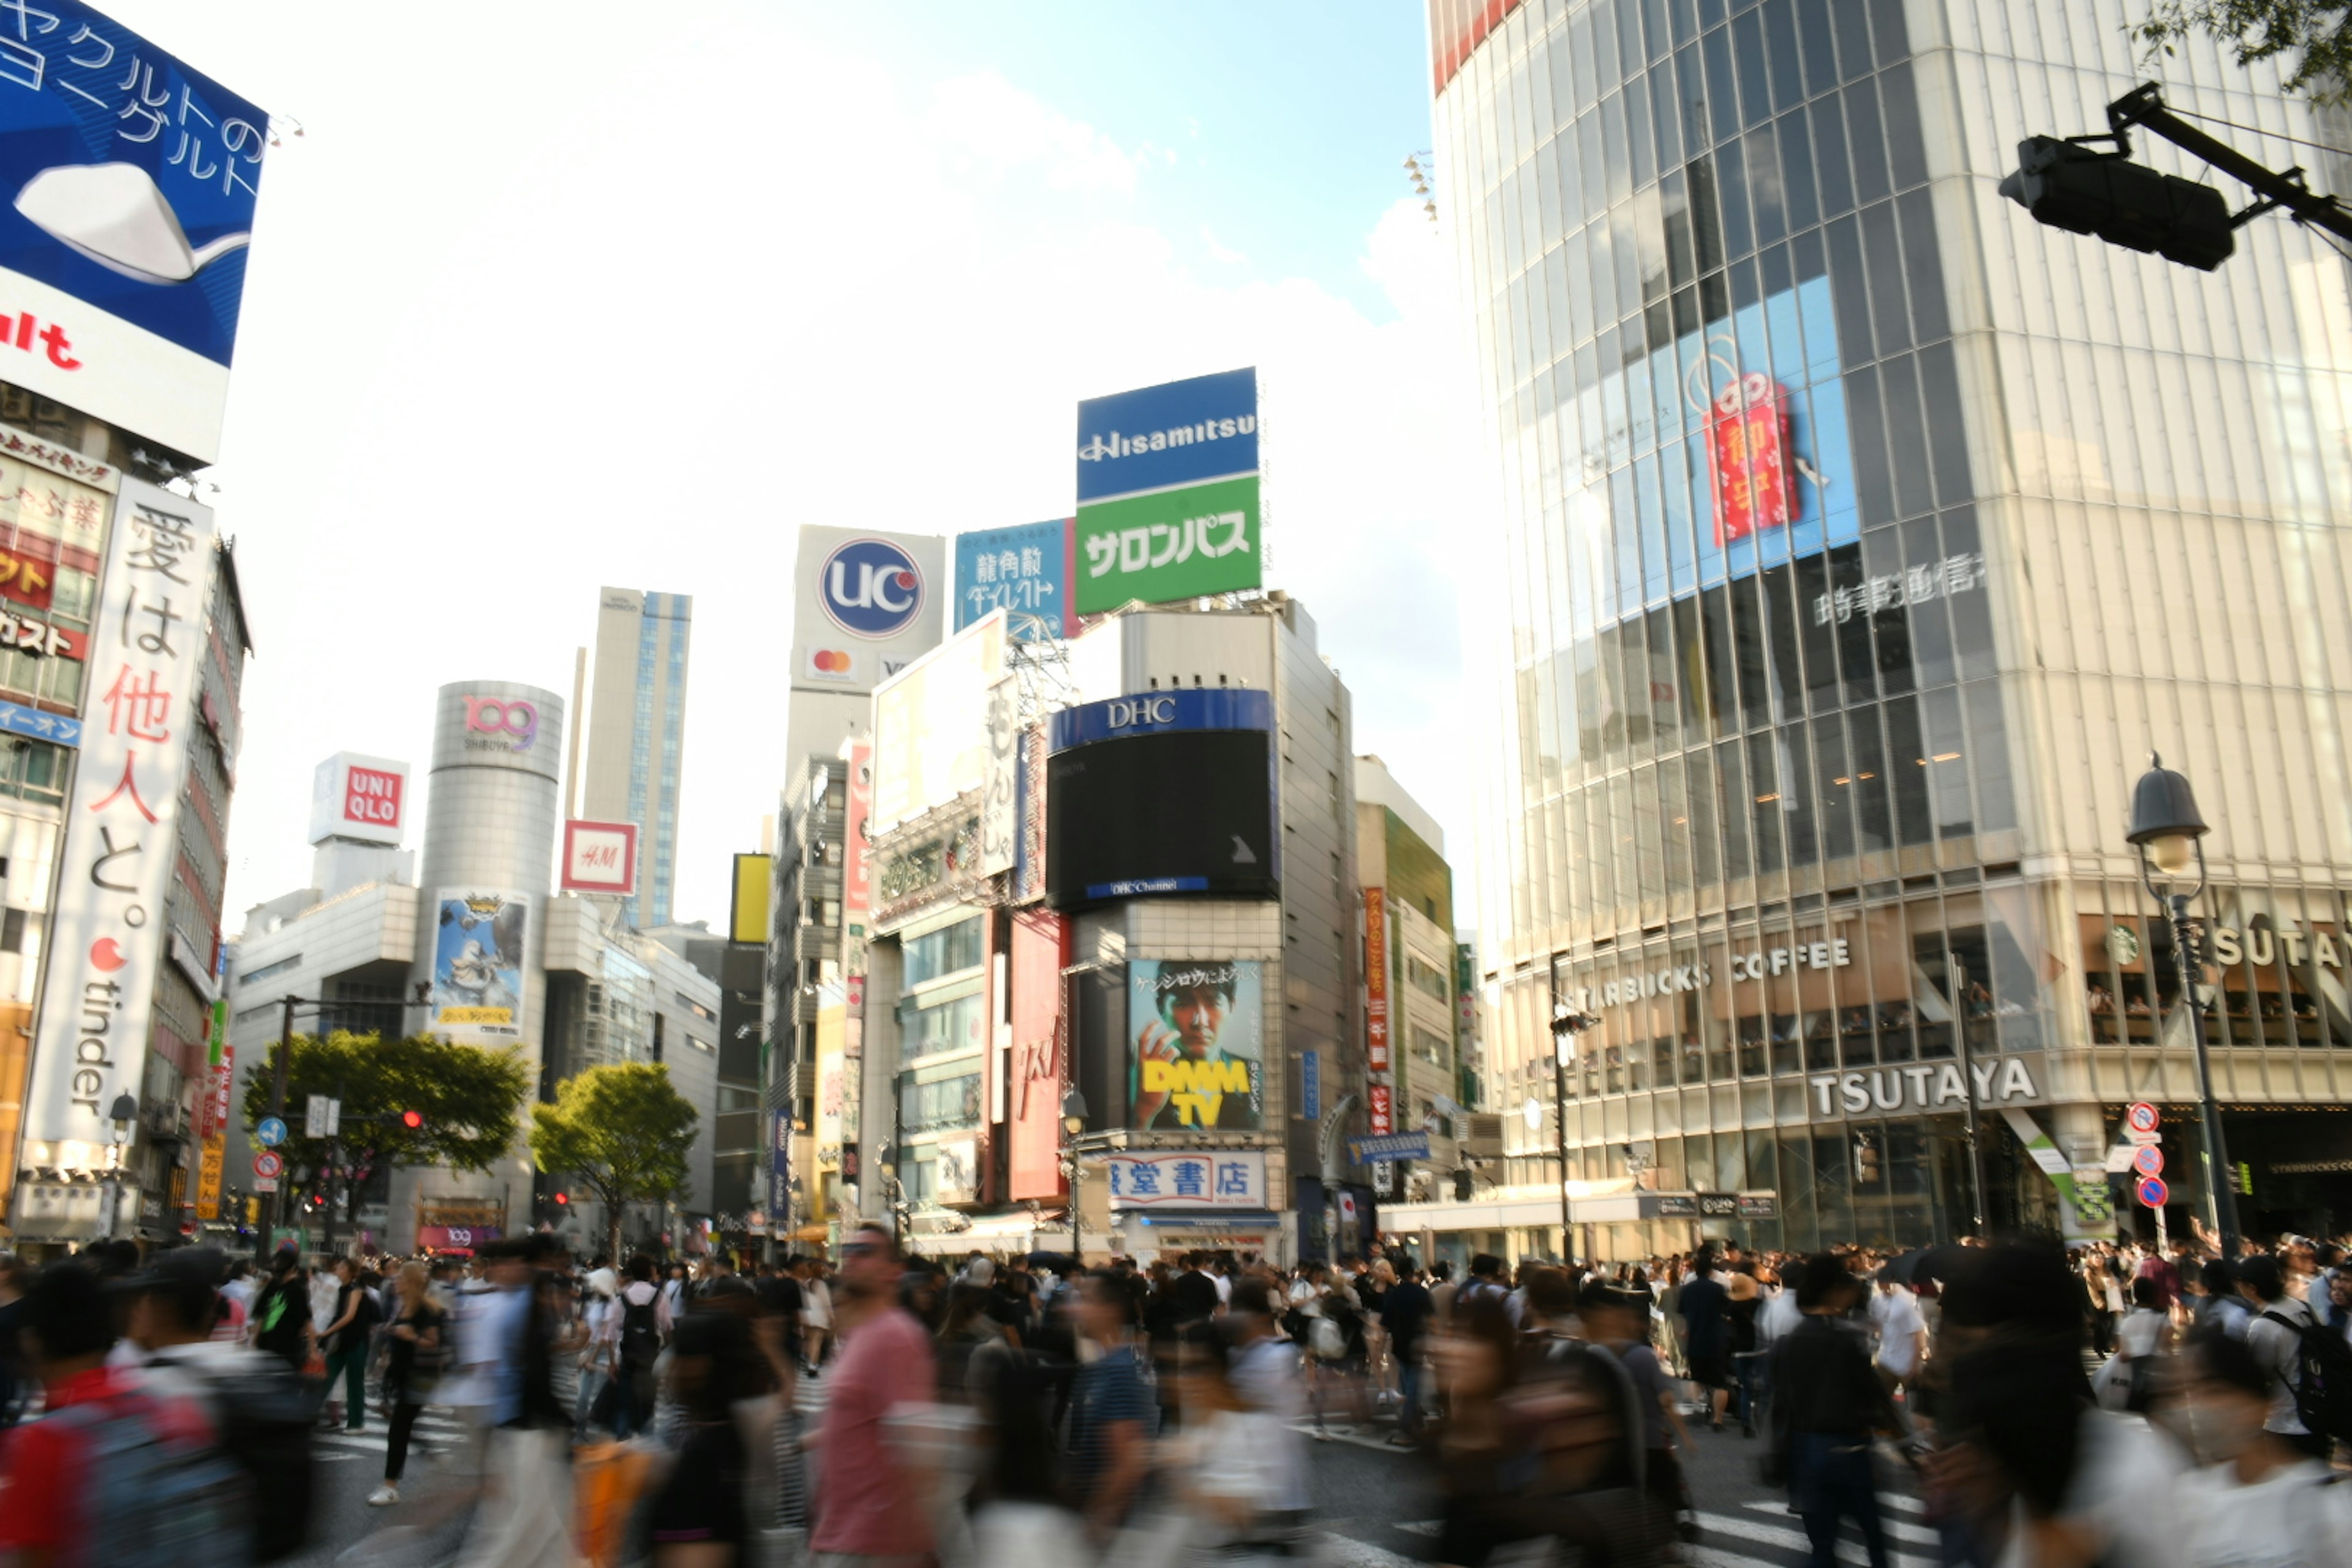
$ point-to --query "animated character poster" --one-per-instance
(1197, 1025)
(477, 963)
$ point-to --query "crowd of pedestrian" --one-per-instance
(2122, 1404)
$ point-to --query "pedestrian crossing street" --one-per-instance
(1757, 1534)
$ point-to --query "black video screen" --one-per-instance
(1183, 811)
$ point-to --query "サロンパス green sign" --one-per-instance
(1169, 544)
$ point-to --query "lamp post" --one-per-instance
(2170, 837)
(1566, 1025)
(1074, 1121)
(1969, 1098)
(119, 1116)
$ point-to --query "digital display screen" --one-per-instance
(1173, 812)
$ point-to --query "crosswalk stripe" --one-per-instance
(1898, 1529)
(1793, 1541)
(1902, 1504)
(1354, 1553)
(1713, 1557)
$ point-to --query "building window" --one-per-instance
(1428, 977)
(954, 1024)
(949, 950)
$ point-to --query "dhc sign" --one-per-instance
(1151, 712)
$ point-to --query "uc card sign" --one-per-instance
(1168, 493)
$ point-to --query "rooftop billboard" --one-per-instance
(1168, 493)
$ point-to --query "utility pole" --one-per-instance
(272, 1200)
(1969, 1098)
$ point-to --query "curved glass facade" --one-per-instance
(1856, 540)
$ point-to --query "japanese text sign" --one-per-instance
(1168, 493)
(122, 252)
(1024, 571)
(1746, 446)
(1212, 1179)
(1376, 980)
(121, 820)
(1384, 1109)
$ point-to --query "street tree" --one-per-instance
(2314, 34)
(465, 1099)
(623, 1131)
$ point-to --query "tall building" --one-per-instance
(636, 732)
(1858, 540)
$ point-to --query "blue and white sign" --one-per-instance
(1213, 1179)
(780, 1161)
(1147, 712)
(871, 588)
(1311, 1085)
(1023, 570)
(1395, 1146)
(271, 1132)
(17, 720)
(1178, 433)
(130, 181)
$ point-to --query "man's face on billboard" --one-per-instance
(1197, 1014)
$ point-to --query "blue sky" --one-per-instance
(547, 296)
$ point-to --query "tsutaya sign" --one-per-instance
(1759, 963)
(1918, 1090)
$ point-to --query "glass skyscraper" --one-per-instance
(636, 722)
(1855, 540)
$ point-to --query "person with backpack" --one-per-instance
(638, 1346)
(281, 1322)
(2310, 1367)
(258, 1408)
(118, 1472)
(420, 1352)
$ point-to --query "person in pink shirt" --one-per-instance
(871, 1511)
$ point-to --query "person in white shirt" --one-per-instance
(1902, 1334)
(2274, 1337)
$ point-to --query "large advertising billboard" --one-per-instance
(479, 956)
(132, 180)
(866, 606)
(1197, 1030)
(1168, 493)
(1023, 571)
(1163, 792)
(932, 727)
(121, 826)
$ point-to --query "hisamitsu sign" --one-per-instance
(1168, 493)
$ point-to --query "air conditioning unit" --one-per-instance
(1482, 1136)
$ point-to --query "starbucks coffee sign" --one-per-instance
(1754, 964)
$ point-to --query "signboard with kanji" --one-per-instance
(1212, 1179)
(121, 821)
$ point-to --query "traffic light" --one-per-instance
(2108, 196)
(562, 1199)
(412, 1119)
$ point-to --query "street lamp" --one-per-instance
(1074, 1121)
(2170, 837)
(1566, 1024)
(119, 1116)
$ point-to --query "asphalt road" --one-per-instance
(1375, 1503)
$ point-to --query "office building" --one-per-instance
(636, 735)
(1856, 542)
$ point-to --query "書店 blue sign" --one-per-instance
(1178, 433)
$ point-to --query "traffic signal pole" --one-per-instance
(2144, 106)
(271, 1200)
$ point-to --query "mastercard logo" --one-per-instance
(830, 661)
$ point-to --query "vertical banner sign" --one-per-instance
(1376, 980)
(132, 181)
(1748, 449)
(1000, 820)
(780, 1161)
(479, 953)
(1311, 1085)
(1383, 1110)
(121, 821)
(1168, 493)
(857, 848)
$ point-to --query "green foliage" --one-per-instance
(2316, 34)
(468, 1097)
(622, 1131)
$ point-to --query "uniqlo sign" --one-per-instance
(372, 797)
(358, 797)
(1748, 448)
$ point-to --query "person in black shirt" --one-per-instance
(1405, 1313)
(1705, 1309)
(281, 1320)
(1194, 1291)
(1827, 1404)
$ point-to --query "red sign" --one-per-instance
(600, 857)
(213, 1108)
(26, 579)
(372, 797)
(1384, 1111)
(40, 637)
(856, 852)
(1376, 980)
(1747, 447)
(1041, 947)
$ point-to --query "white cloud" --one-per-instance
(1218, 251)
(502, 346)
